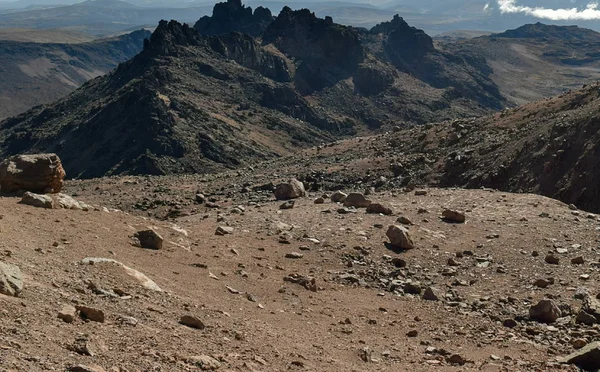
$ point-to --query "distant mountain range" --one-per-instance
(104, 17)
(34, 73)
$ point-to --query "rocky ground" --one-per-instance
(316, 287)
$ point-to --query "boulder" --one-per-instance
(338, 197)
(67, 314)
(149, 239)
(140, 277)
(66, 202)
(432, 294)
(377, 208)
(591, 306)
(356, 200)
(192, 322)
(224, 230)
(11, 280)
(453, 216)
(400, 237)
(40, 173)
(586, 358)
(90, 313)
(37, 200)
(290, 190)
(84, 368)
(545, 311)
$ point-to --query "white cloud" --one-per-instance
(486, 7)
(591, 12)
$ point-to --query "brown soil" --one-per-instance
(289, 327)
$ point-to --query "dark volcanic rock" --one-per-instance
(233, 16)
(326, 52)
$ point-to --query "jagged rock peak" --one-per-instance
(328, 51)
(168, 35)
(234, 16)
(410, 42)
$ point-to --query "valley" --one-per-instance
(268, 189)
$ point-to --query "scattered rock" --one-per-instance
(585, 318)
(579, 260)
(400, 237)
(67, 314)
(586, 358)
(287, 205)
(319, 201)
(541, 283)
(291, 190)
(412, 333)
(545, 311)
(456, 359)
(64, 201)
(365, 354)
(224, 230)
(398, 262)
(432, 294)
(377, 208)
(552, 259)
(578, 343)
(307, 282)
(90, 313)
(294, 255)
(206, 363)
(510, 323)
(11, 280)
(84, 368)
(455, 216)
(140, 277)
(37, 200)
(338, 197)
(404, 220)
(40, 173)
(420, 192)
(149, 239)
(356, 200)
(192, 322)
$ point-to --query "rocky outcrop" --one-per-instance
(326, 52)
(246, 51)
(233, 16)
(38, 173)
(404, 45)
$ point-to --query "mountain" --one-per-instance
(536, 60)
(201, 103)
(98, 17)
(34, 73)
(233, 16)
(549, 147)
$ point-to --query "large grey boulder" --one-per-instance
(37, 200)
(290, 190)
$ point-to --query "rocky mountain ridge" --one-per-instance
(193, 103)
(39, 73)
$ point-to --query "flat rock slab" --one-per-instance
(587, 358)
(11, 280)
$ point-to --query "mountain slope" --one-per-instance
(36, 73)
(98, 17)
(536, 60)
(192, 103)
(549, 147)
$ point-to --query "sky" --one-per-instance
(569, 12)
